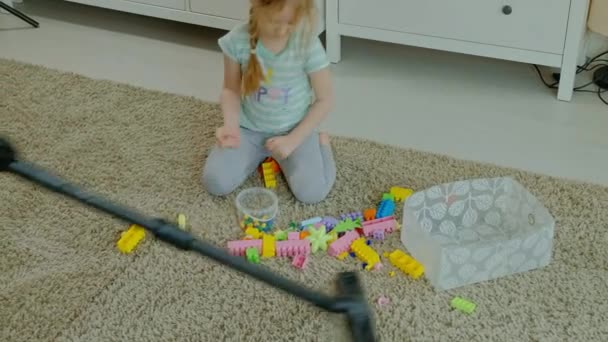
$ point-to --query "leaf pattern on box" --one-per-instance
(484, 228)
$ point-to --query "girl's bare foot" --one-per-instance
(323, 138)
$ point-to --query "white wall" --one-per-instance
(596, 44)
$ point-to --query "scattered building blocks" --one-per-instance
(346, 225)
(401, 194)
(318, 238)
(405, 263)
(304, 234)
(388, 196)
(252, 255)
(386, 208)
(310, 222)
(342, 245)
(269, 175)
(275, 166)
(293, 236)
(378, 235)
(385, 224)
(366, 254)
(268, 246)
(253, 232)
(369, 214)
(300, 261)
(391, 273)
(330, 222)
(239, 247)
(280, 235)
(342, 256)
(353, 216)
(291, 248)
(181, 221)
(130, 238)
(463, 305)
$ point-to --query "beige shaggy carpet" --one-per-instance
(62, 278)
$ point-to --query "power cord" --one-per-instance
(581, 68)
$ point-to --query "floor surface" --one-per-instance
(466, 107)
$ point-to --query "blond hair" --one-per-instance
(305, 15)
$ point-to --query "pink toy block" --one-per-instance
(292, 248)
(293, 236)
(342, 244)
(300, 261)
(237, 248)
(386, 224)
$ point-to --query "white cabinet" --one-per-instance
(545, 32)
(176, 4)
(233, 9)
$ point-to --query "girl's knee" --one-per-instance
(216, 183)
(306, 193)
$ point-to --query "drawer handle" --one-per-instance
(507, 10)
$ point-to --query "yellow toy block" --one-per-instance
(405, 263)
(130, 238)
(253, 232)
(342, 256)
(181, 221)
(268, 246)
(401, 194)
(366, 254)
(268, 175)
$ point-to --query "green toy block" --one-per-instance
(280, 235)
(347, 225)
(388, 196)
(463, 305)
(253, 256)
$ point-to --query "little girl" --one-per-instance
(273, 67)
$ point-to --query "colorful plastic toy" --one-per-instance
(280, 235)
(342, 245)
(310, 222)
(383, 301)
(401, 194)
(269, 175)
(385, 224)
(239, 247)
(181, 221)
(391, 273)
(463, 305)
(353, 216)
(405, 263)
(252, 255)
(388, 196)
(366, 254)
(292, 248)
(378, 235)
(330, 222)
(293, 236)
(342, 256)
(369, 214)
(304, 234)
(346, 225)
(300, 261)
(386, 208)
(318, 238)
(253, 232)
(268, 246)
(130, 238)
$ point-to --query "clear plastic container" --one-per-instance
(257, 208)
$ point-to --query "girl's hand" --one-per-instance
(281, 147)
(228, 137)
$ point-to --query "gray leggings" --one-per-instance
(310, 170)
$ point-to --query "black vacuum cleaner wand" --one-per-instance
(350, 299)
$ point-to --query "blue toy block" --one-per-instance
(386, 208)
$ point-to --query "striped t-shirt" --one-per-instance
(284, 97)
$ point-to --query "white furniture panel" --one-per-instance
(233, 9)
(538, 25)
(544, 32)
(176, 4)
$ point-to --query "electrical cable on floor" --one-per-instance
(579, 69)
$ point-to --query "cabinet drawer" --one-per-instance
(538, 25)
(232, 9)
(176, 4)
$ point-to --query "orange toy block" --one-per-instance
(369, 214)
